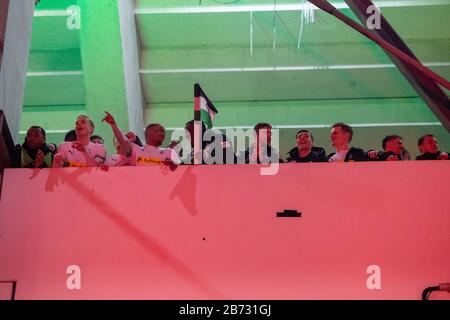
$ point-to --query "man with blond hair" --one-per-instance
(82, 152)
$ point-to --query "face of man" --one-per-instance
(155, 135)
(395, 146)
(429, 145)
(264, 136)
(304, 140)
(35, 138)
(83, 127)
(339, 137)
(97, 140)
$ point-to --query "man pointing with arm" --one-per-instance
(151, 153)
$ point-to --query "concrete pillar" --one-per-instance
(14, 63)
(130, 48)
(110, 72)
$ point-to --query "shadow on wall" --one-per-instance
(58, 177)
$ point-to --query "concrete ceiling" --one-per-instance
(177, 49)
(248, 61)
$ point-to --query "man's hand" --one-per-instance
(39, 161)
(109, 119)
(443, 156)
(79, 146)
(392, 158)
(58, 161)
(373, 155)
(173, 143)
(131, 136)
(170, 164)
(124, 142)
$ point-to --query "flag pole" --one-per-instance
(198, 152)
(329, 8)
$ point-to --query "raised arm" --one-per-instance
(126, 145)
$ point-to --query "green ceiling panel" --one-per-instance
(54, 90)
(60, 60)
(51, 33)
(44, 116)
(174, 43)
(297, 113)
(280, 85)
(55, 4)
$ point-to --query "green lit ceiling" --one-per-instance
(247, 60)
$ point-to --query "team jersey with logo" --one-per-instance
(150, 155)
(75, 158)
(117, 160)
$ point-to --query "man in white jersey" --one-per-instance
(83, 152)
(119, 159)
(151, 153)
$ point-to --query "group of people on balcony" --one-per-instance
(84, 149)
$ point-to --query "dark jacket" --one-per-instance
(269, 152)
(429, 156)
(353, 154)
(317, 154)
(209, 152)
(383, 156)
(228, 155)
(24, 157)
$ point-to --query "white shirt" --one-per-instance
(338, 156)
(75, 158)
(150, 155)
(117, 160)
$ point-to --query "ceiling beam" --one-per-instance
(428, 90)
(270, 7)
(130, 50)
(283, 68)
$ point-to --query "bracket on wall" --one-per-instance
(8, 286)
(289, 214)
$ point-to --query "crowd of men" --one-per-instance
(84, 149)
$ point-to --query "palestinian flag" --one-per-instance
(204, 110)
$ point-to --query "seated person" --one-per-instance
(406, 155)
(219, 144)
(341, 135)
(429, 149)
(305, 152)
(83, 152)
(132, 137)
(255, 153)
(70, 136)
(151, 153)
(393, 149)
(34, 152)
(119, 159)
(189, 129)
(97, 139)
